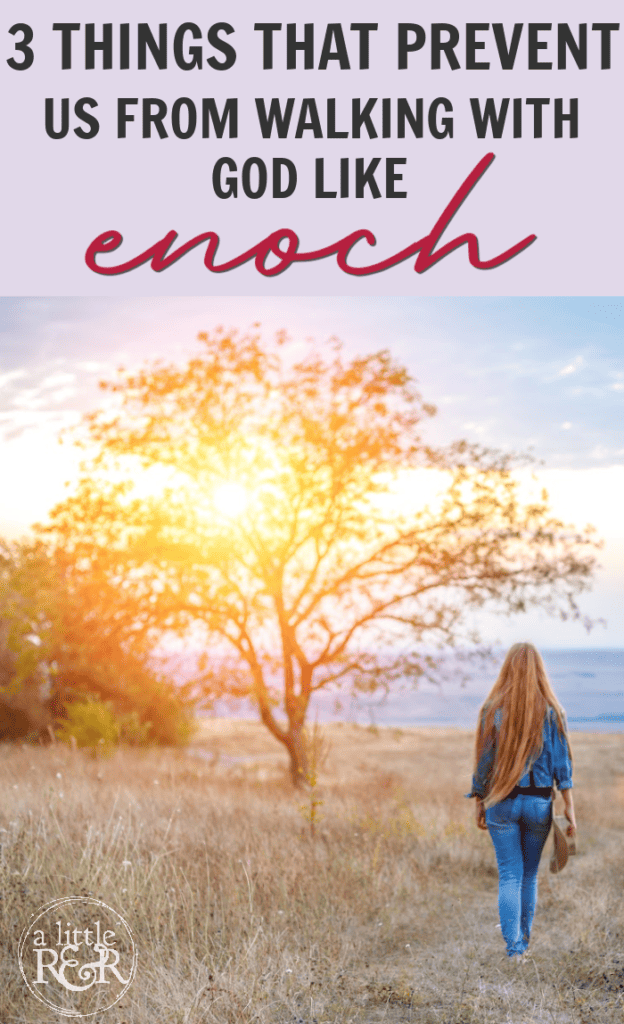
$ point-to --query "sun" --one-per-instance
(231, 499)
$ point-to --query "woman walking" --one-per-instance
(521, 749)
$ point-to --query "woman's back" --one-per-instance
(517, 722)
(521, 750)
(552, 765)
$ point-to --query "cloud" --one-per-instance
(52, 390)
(478, 428)
(601, 452)
(47, 423)
(62, 394)
(56, 380)
(29, 398)
(11, 375)
(572, 367)
(450, 399)
(93, 367)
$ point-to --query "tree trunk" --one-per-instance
(294, 739)
(296, 746)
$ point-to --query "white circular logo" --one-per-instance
(78, 956)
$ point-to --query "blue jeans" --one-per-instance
(519, 828)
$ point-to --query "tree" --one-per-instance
(66, 636)
(24, 683)
(253, 493)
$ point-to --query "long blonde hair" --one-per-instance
(523, 694)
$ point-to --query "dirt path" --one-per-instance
(466, 978)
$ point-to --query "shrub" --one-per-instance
(93, 724)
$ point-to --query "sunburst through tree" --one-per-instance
(258, 495)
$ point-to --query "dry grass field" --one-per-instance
(386, 913)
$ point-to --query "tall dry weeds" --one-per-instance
(242, 913)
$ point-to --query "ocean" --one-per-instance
(589, 685)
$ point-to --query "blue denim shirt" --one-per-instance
(552, 765)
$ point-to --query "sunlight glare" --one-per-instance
(231, 499)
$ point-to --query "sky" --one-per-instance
(538, 374)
